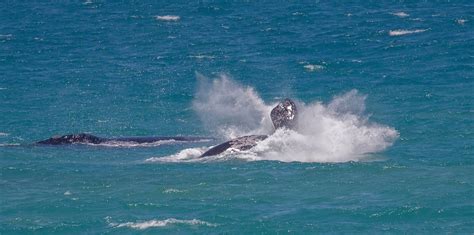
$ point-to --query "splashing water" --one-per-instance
(230, 110)
(337, 132)
(334, 132)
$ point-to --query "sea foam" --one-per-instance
(338, 131)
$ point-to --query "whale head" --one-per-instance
(284, 114)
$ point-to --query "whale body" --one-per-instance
(84, 138)
(283, 116)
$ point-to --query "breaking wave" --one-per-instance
(338, 131)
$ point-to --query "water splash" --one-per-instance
(230, 110)
(336, 132)
(339, 131)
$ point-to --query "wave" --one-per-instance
(338, 131)
(401, 32)
(160, 223)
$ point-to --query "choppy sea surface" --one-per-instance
(385, 134)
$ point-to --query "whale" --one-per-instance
(84, 138)
(283, 115)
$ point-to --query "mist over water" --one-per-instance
(339, 131)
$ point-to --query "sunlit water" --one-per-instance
(384, 141)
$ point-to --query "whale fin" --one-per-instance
(240, 143)
(284, 114)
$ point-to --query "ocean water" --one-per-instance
(385, 134)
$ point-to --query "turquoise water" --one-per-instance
(384, 142)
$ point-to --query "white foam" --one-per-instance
(189, 154)
(160, 223)
(168, 18)
(4, 134)
(400, 14)
(67, 193)
(401, 32)
(7, 145)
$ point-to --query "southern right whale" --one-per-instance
(83, 138)
(283, 116)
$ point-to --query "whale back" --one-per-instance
(284, 114)
(73, 138)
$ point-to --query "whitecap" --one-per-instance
(400, 14)
(202, 56)
(161, 223)
(2, 134)
(168, 18)
(313, 67)
(401, 32)
(173, 190)
(461, 21)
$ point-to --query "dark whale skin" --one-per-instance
(241, 143)
(84, 138)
